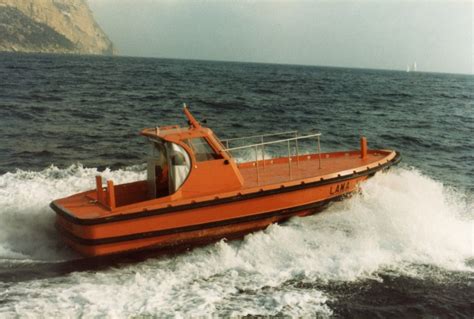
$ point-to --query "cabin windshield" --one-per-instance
(168, 168)
(202, 150)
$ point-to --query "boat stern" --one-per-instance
(74, 215)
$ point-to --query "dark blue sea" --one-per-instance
(400, 248)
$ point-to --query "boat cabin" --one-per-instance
(176, 151)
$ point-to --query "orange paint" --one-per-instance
(196, 192)
(363, 147)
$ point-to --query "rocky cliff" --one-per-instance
(59, 26)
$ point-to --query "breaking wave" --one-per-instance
(26, 221)
(401, 221)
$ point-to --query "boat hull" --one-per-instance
(197, 237)
(203, 222)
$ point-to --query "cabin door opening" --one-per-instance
(158, 171)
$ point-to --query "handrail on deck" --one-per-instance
(287, 140)
(273, 142)
(260, 135)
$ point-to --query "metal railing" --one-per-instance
(262, 144)
(261, 136)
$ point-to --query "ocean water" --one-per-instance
(402, 247)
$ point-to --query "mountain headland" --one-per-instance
(51, 26)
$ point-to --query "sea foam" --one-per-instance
(27, 222)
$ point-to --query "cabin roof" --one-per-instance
(174, 133)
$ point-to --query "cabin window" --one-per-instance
(202, 150)
(168, 168)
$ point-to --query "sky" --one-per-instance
(386, 34)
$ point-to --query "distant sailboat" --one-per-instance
(411, 68)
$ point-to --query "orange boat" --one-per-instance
(197, 191)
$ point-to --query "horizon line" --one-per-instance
(233, 61)
(290, 64)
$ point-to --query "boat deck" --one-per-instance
(278, 171)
